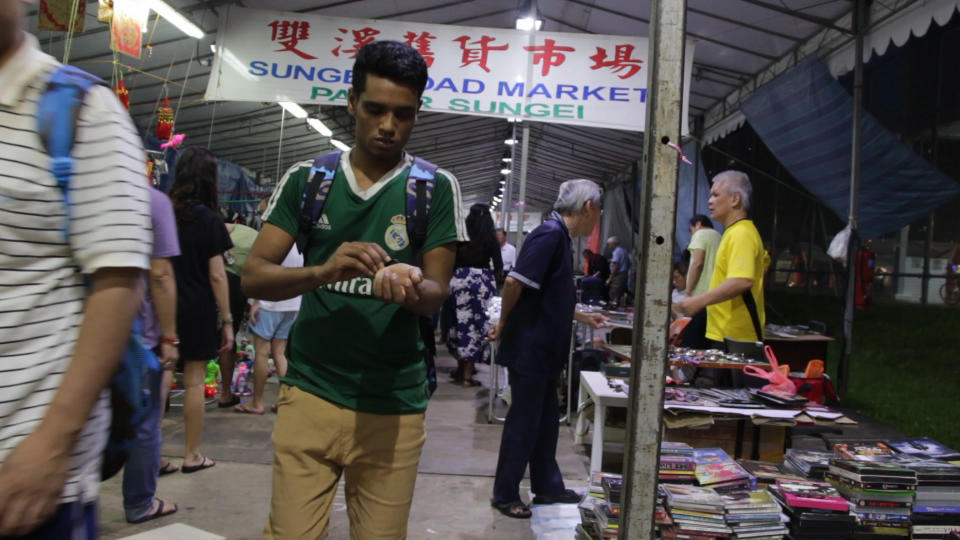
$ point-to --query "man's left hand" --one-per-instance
(397, 283)
(31, 480)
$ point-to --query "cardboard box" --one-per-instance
(723, 434)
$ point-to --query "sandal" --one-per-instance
(167, 468)
(470, 383)
(245, 409)
(231, 403)
(515, 509)
(205, 463)
(158, 513)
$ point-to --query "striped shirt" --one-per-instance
(41, 273)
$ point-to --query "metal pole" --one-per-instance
(522, 197)
(843, 374)
(655, 257)
(508, 184)
(283, 116)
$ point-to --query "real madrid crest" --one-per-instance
(396, 235)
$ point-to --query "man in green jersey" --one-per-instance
(354, 396)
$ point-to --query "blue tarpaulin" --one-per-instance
(805, 118)
(693, 192)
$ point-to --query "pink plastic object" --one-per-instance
(778, 380)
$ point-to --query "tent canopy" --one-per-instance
(737, 43)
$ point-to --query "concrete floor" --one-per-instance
(453, 488)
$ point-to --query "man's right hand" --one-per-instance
(353, 259)
(495, 332)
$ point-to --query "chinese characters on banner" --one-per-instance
(568, 78)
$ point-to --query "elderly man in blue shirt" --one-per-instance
(536, 320)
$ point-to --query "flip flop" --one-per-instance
(273, 408)
(242, 408)
(167, 468)
(158, 513)
(231, 403)
(205, 463)
(471, 383)
(515, 509)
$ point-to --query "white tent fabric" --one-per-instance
(892, 21)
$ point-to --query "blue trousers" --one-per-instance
(143, 464)
(529, 437)
(72, 521)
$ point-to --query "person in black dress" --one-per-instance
(477, 271)
(203, 306)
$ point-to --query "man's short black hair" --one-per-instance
(702, 220)
(392, 60)
(587, 253)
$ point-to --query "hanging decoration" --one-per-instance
(126, 27)
(105, 11)
(164, 120)
(55, 15)
(122, 93)
(174, 141)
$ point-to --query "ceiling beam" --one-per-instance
(826, 23)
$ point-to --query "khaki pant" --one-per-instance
(314, 441)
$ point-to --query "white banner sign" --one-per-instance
(566, 78)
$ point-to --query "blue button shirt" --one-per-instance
(620, 256)
(536, 335)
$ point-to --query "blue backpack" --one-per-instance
(419, 192)
(57, 115)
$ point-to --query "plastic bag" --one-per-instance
(779, 378)
(838, 246)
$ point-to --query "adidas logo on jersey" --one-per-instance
(324, 223)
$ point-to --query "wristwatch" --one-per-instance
(175, 341)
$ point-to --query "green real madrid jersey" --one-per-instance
(347, 346)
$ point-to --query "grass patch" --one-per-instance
(904, 369)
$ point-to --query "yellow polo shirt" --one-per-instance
(741, 255)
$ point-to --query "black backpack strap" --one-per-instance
(754, 315)
(420, 183)
(322, 173)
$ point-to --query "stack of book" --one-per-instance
(936, 508)
(807, 463)
(587, 529)
(766, 472)
(753, 514)
(880, 492)
(676, 463)
(599, 518)
(717, 470)
(816, 510)
(696, 512)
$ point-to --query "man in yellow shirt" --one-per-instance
(739, 267)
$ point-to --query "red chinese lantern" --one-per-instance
(123, 94)
(164, 120)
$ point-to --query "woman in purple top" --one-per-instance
(158, 317)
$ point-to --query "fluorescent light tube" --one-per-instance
(293, 109)
(316, 124)
(175, 18)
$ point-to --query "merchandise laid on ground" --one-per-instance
(860, 490)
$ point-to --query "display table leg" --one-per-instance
(596, 451)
